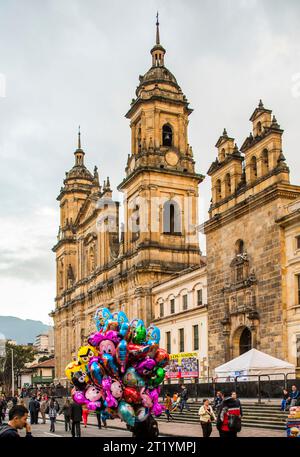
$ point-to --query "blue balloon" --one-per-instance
(126, 412)
(153, 335)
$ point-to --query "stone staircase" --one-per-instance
(264, 415)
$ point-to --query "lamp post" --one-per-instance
(12, 373)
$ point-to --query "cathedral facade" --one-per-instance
(250, 303)
(99, 263)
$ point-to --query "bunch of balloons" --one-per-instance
(121, 368)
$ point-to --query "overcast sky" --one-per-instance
(71, 62)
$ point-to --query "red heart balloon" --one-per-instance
(131, 395)
(161, 357)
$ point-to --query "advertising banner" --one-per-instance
(183, 365)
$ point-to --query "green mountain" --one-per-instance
(20, 330)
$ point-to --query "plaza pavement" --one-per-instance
(117, 428)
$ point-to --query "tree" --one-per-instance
(22, 356)
(45, 357)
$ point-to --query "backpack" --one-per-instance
(234, 423)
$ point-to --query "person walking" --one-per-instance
(183, 399)
(229, 420)
(43, 407)
(66, 411)
(85, 415)
(17, 420)
(207, 416)
(52, 412)
(168, 407)
(76, 417)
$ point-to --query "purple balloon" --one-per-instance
(145, 366)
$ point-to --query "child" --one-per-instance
(168, 406)
(176, 400)
(85, 413)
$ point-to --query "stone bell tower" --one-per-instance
(161, 185)
(245, 247)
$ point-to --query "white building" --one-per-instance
(42, 342)
(180, 310)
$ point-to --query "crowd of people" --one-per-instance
(225, 411)
(41, 406)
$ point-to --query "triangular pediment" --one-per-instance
(87, 210)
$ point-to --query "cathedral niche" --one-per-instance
(171, 218)
(167, 135)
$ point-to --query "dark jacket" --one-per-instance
(295, 395)
(32, 405)
(184, 394)
(76, 412)
(66, 410)
(229, 406)
(6, 431)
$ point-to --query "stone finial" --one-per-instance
(261, 105)
(225, 132)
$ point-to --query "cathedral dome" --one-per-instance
(79, 171)
(158, 74)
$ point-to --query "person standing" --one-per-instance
(32, 410)
(217, 401)
(229, 421)
(66, 411)
(104, 416)
(15, 400)
(183, 399)
(76, 418)
(37, 409)
(43, 407)
(85, 415)
(52, 412)
(3, 406)
(98, 416)
(168, 407)
(207, 416)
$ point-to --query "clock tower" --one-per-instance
(161, 185)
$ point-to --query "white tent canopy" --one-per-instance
(254, 362)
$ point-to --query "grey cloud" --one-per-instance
(71, 62)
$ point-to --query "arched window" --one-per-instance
(265, 161)
(167, 135)
(253, 168)
(161, 309)
(259, 128)
(171, 218)
(245, 341)
(218, 190)
(239, 247)
(227, 185)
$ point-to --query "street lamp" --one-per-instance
(12, 374)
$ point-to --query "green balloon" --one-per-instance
(140, 334)
(158, 378)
